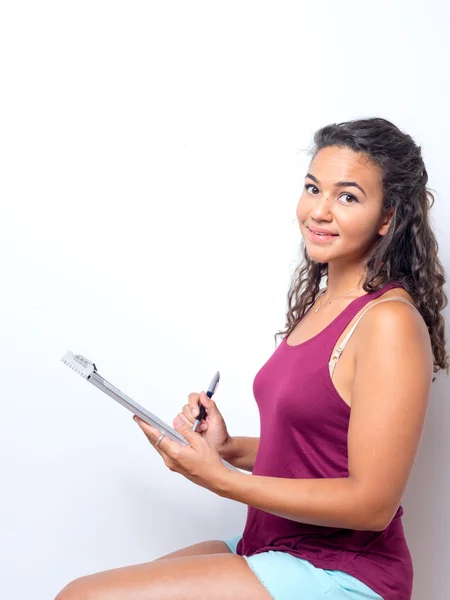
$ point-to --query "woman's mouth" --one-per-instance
(317, 236)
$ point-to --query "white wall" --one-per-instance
(151, 158)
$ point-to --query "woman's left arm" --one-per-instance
(393, 371)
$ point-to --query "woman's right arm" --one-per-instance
(240, 452)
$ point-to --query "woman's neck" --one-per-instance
(345, 281)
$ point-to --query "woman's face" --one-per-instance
(350, 211)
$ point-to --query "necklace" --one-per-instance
(317, 309)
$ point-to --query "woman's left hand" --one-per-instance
(199, 462)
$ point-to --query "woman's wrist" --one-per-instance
(227, 451)
(240, 452)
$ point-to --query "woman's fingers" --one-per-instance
(190, 412)
(190, 419)
(186, 419)
(193, 403)
(187, 412)
(153, 435)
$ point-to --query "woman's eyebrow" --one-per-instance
(340, 183)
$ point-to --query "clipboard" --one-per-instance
(88, 371)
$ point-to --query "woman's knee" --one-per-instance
(78, 589)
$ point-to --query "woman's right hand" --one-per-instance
(212, 427)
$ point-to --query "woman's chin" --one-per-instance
(322, 255)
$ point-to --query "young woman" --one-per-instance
(339, 434)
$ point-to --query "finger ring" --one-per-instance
(158, 441)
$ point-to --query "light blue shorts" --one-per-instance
(287, 577)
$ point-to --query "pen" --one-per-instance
(211, 389)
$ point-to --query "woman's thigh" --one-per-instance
(218, 576)
(208, 547)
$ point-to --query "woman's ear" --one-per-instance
(386, 221)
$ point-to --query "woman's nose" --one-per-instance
(320, 210)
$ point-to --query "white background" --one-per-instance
(151, 158)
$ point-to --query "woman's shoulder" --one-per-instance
(383, 307)
(396, 291)
(393, 322)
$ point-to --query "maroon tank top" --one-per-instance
(304, 425)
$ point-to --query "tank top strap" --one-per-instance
(340, 349)
(341, 322)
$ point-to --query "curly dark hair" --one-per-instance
(408, 253)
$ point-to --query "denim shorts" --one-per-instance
(287, 577)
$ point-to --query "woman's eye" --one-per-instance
(353, 198)
(346, 195)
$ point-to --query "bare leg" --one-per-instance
(209, 547)
(216, 576)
